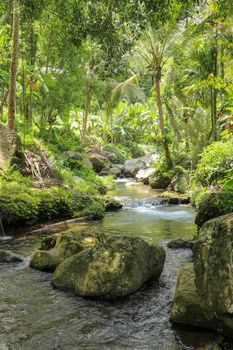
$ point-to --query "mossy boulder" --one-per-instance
(209, 209)
(118, 266)
(112, 204)
(186, 308)
(54, 250)
(159, 181)
(175, 198)
(213, 265)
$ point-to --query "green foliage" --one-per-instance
(64, 139)
(119, 150)
(226, 197)
(199, 196)
(22, 203)
(109, 182)
(216, 163)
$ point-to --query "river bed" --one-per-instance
(35, 316)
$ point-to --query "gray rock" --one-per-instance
(186, 308)
(115, 170)
(133, 166)
(144, 175)
(213, 266)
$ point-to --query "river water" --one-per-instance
(34, 316)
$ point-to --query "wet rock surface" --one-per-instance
(117, 267)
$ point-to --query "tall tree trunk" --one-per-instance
(161, 116)
(14, 65)
(173, 122)
(33, 48)
(86, 113)
(3, 101)
(214, 90)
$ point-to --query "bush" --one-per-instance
(120, 151)
(216, 163)
(20, 203)
(134, 150)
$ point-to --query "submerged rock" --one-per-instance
(7, 256)
(118, 266)
(186, 308)
(180, 243)
(54, 251)
(213, 265)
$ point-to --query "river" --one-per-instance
(34, 316)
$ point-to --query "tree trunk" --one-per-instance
(86, 113)
(214, 100)
(14, 65)
(4, 99)
(161, 116)
(174, 123)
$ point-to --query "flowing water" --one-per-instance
(34, 316)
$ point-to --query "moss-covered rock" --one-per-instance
(159, 181)
(112, 204)
(209, 208)
(54, 250)
(186, 307)
(213, 265)
(118, 266)
(175, 198)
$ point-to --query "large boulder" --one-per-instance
(114, 169)
(118, 266)
(133, 166)
(213, 265)
(159, 181)
(54, 250)
(9, 145)
(186, 307)
(144, 175)
(99, 162)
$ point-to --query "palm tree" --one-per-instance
(156, 51)
(128, 89)
(14, 64)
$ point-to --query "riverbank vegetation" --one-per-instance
(118, 79)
